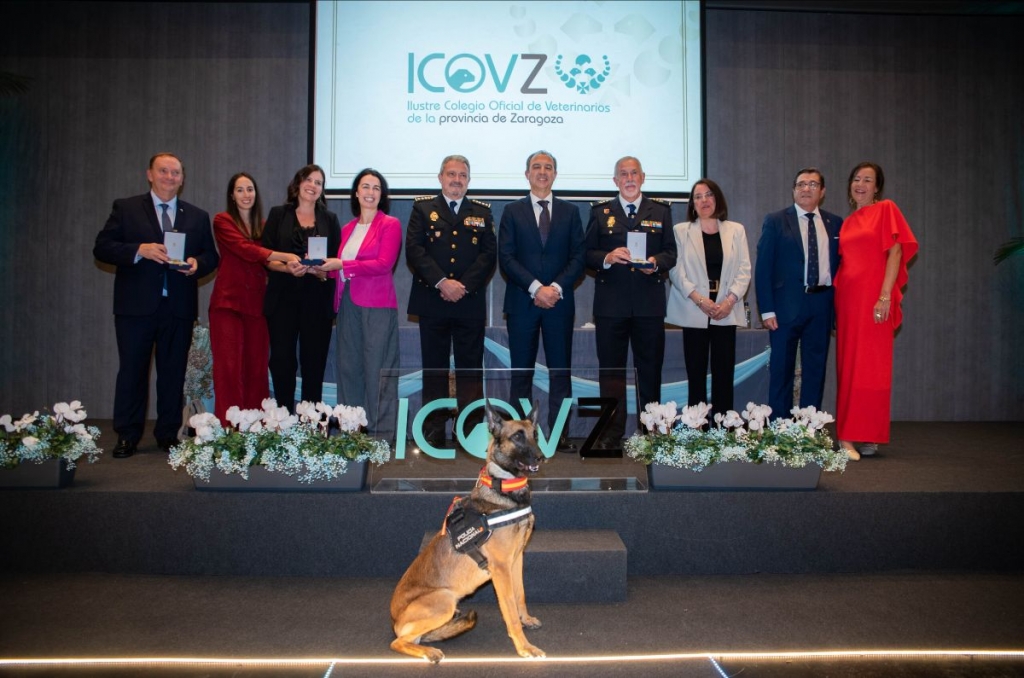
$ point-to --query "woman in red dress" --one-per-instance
(875, 244)
(238, 331)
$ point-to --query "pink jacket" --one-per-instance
(370, 275)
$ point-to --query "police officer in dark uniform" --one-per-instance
(451, 247)
(630, 295)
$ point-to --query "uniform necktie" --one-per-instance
(812, 251)
(632, 211)
(455, 207)
(165, 219)
(545, 221)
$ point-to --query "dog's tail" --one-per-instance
(460, 623)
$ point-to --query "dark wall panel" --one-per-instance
(224, 86)
(934, 100)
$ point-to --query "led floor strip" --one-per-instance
(505, 659)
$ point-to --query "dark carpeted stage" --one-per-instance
(918, 547)
(941, 496)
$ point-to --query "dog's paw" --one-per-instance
(528, 650)
(530, 622)
(433, 655)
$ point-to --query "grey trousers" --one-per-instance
(367, 343)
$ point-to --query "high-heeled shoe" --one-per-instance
(851, 451)
(869, 449)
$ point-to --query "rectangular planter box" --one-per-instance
(261, 480)
(736, 475)
(52, 473)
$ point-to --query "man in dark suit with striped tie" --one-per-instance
(155, 304)
(793, 276)
(540, 251)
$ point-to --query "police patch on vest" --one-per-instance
(466, 528)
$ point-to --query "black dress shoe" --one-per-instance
(166, 444)
(565, 445)
(608, 443)
(124, 448)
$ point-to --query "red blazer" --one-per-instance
(242, 279)
(370, 275)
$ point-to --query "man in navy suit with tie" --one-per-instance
(540, 251)
(793, 276)
(154, 305)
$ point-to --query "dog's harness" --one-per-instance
(469, 529)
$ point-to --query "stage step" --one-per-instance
(569, 566)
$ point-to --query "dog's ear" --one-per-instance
(494, 420)
(534, 414)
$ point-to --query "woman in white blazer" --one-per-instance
(709, 280)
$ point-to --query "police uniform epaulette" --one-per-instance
(662, 201)
(424, 197)
(481, 202)
(601, 202)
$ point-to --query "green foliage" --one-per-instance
(1008, 249)
(12, 84)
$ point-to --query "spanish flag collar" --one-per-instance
(502, 484)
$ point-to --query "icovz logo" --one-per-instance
(475, 441)
(582, 76)
(465, 73)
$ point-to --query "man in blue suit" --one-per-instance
(795, 296)
(540, 251)
(154, 305)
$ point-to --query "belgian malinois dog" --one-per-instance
(424, 607)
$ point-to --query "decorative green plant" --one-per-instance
(1008, 249)
(199, 369)
(12, 84)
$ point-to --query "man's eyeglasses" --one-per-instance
(813, 185)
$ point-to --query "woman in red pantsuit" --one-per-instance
(238, 331)
(875, 244)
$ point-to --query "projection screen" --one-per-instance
(400, 85)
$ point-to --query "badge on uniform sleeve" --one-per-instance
(433, 216)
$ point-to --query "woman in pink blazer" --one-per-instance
(366, 342)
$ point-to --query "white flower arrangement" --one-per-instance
(687, 440)
(38, 437)
(304, 444)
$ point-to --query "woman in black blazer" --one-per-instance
(299, 305)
